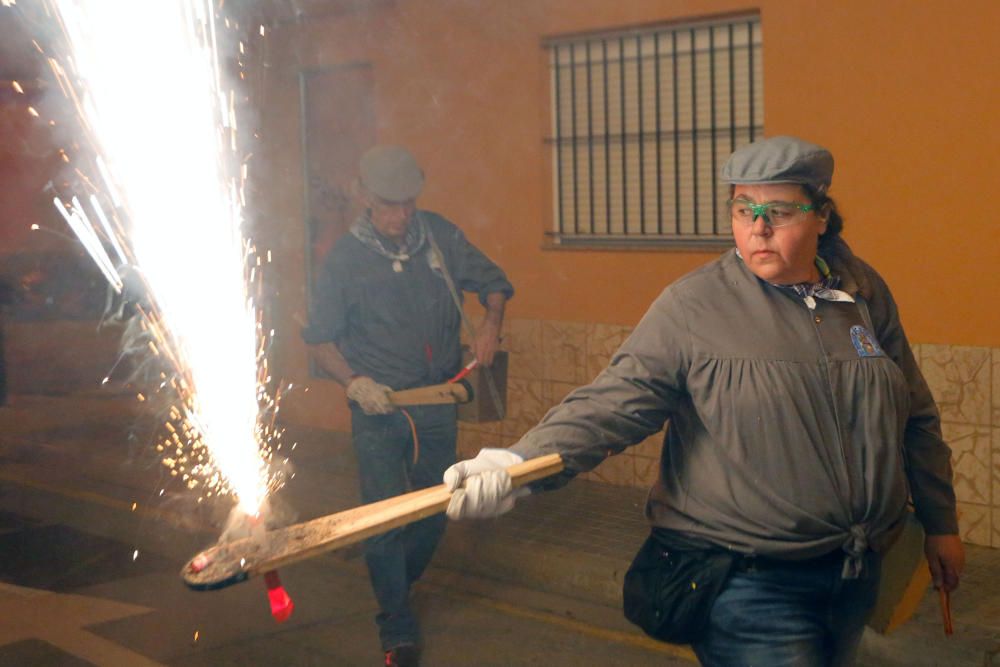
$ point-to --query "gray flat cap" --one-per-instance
(780, 160)
(391, 173)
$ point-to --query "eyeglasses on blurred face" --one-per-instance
(775, 213)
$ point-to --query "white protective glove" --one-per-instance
(487, 491)
(370, 395)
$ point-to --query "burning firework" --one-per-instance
(146, 83)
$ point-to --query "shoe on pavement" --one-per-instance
(405, 655)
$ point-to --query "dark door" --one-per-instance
(338, 126)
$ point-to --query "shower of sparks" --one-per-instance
(146, 83)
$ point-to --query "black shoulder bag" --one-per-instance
(670, 587)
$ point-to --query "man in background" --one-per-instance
(385, 318)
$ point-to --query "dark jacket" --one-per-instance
(401, 328)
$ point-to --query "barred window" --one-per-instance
(642, 121)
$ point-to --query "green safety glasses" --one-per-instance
(775, 213)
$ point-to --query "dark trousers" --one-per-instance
(385, 450)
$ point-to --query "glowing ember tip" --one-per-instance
(200, 562)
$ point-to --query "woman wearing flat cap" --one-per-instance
(800, 429)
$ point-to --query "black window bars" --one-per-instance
(642, 121)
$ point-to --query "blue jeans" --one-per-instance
(801, 616)
(385, 451)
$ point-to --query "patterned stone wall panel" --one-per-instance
(602, 342)
(467, 445)
(974, 523)
(995, 421)
(564, 345)
(959, 378)
(970, 457)
(995, 465)
(485, 428)
(471, 440)
(650, 448)
(523, 341)
(647, 470)
(526, 404)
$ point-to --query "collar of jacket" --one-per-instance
(845, 264)
(831, 285)
(416, 236)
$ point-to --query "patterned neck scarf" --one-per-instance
(416, 236)
(825, 288)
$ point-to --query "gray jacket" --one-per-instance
(792, 431)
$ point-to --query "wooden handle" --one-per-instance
(436, 394)
(232, 562)
(532, 470)
(946, 611)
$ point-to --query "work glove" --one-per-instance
(370, 395)
(487, 490)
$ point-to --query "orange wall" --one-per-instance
(903, 92)
(28, 159)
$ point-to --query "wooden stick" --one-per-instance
(232, 562)
(435, 394)
(945, 599)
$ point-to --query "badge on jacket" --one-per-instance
(865, 343)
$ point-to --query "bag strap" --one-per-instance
(469, 328)
(439, 257)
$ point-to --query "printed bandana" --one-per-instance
(825, 289)
(416, 236)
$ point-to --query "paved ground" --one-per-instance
(86, 579)
(79, 599)
(90, 553)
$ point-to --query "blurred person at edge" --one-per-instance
(799, 424)
(383, 319)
